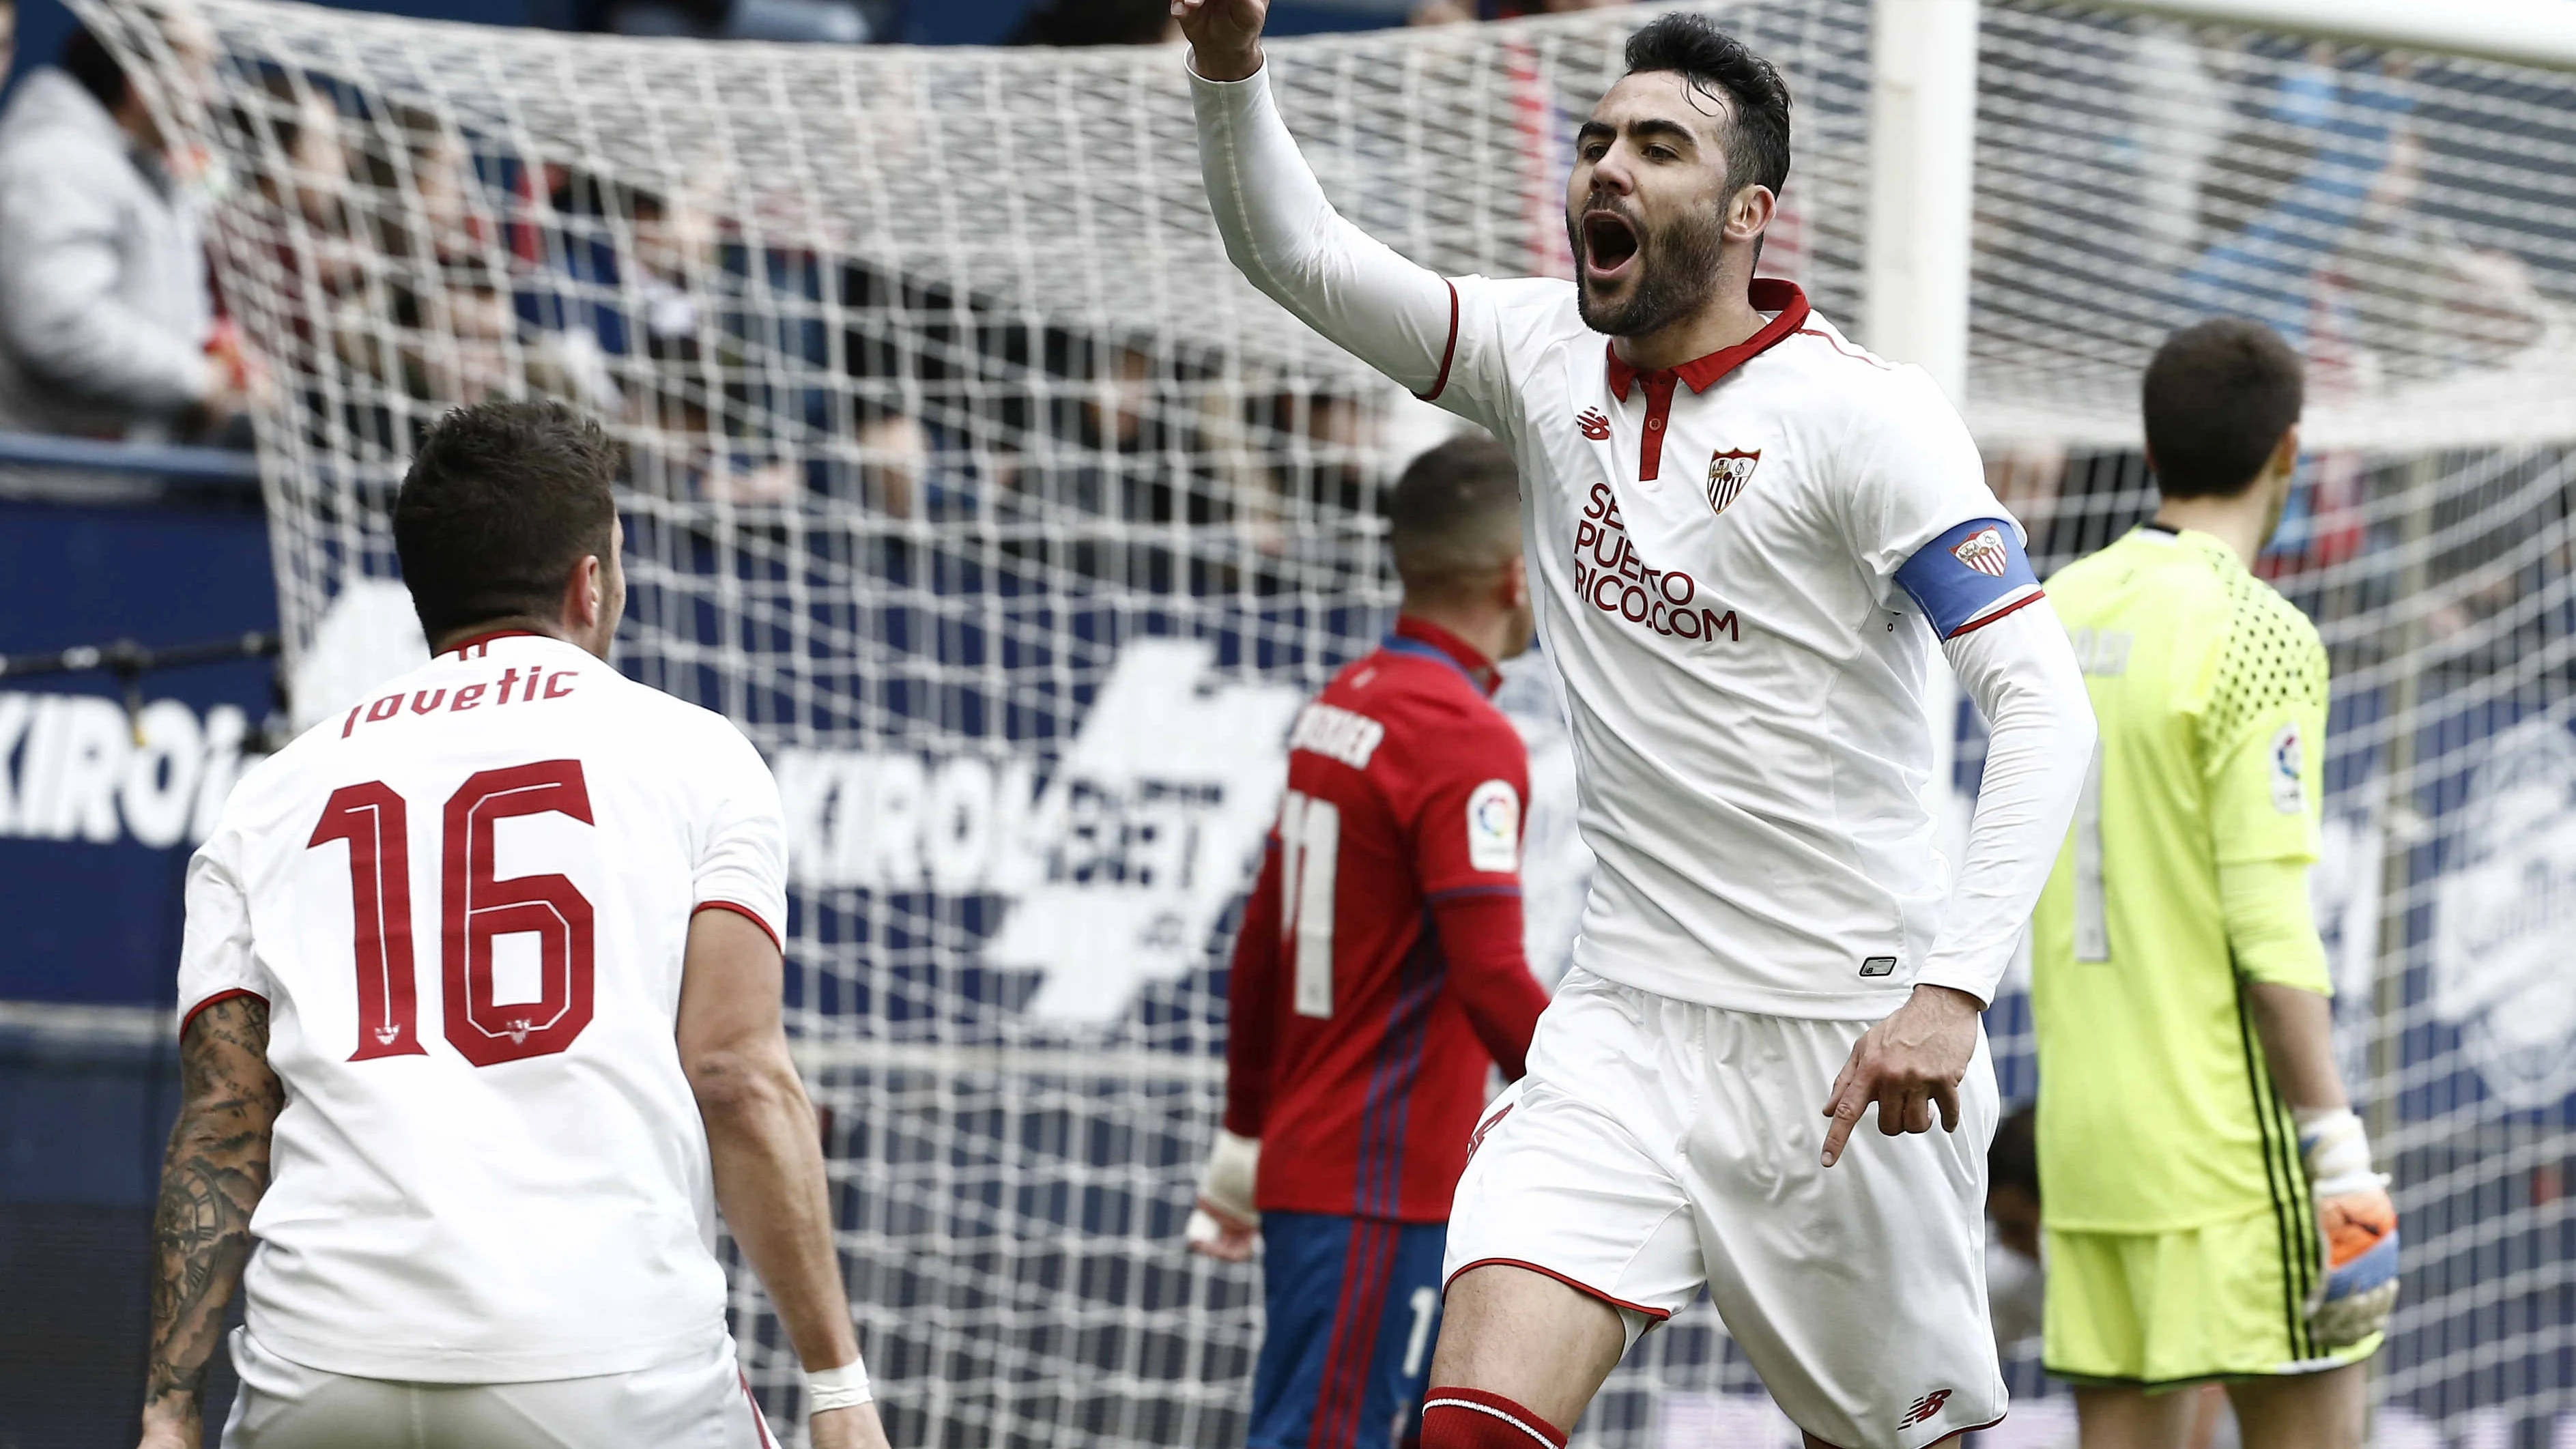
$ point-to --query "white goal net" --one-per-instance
(968, 477)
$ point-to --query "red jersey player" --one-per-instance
(1378, 972)
(499, 1141)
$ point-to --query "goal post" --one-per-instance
(969, 478)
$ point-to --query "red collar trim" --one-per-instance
(1469, 657)
(1768, 294)
(460, 646)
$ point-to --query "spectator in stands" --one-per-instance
(8, 36)
(704, 348)
(301, 159)
(105, 316)
(418, 198)
(292, 209)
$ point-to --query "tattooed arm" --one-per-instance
(211, 1178)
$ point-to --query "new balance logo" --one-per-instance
(1922, 1409)
(1488, 1125)
(1594, 425)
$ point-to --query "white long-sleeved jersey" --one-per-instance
(1741, 567)
(467, 904)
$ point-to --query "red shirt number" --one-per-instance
(478, 907)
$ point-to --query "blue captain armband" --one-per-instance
(1970, 577)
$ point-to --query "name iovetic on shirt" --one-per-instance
(531, 684)
(1608, 573)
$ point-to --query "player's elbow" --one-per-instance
(225, 1134)
(741, 1087)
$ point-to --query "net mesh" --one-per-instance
(970, 479)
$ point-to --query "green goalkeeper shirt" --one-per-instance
(2156, 1113)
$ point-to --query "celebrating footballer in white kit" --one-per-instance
(1746, 536)
(480, 1019)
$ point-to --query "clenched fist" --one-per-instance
(1224, 36)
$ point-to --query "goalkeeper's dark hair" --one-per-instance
(500, 503)
(2012, 1159)
(1454, 518)
(1757, 134)
(2218, 397)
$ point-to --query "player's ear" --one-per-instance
(1516, 590)
(1748, 211)
(2285, 453)
(586, 593)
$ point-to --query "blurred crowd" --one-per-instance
(394, 261)
(108, 323)
(390, 262)
(381, 225)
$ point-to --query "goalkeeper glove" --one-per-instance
(1222, 1224)
(2359, 1228)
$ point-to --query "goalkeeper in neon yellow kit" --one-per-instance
(2212, 1210)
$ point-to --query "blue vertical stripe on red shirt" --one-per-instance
(1378, 1185)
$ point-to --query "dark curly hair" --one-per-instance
(501, 501)
(1757, 141)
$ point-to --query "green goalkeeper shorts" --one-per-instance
(2167, 1309)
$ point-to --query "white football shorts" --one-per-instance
(1659, 1146)
(701, 1402)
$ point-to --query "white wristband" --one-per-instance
(1227, 1182)
(2335, 1151)
(845, 1387)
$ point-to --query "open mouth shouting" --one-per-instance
(1609, 247)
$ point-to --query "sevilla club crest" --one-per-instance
(1984, 551)
(1728, 472)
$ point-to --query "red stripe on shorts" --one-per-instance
(1353, 1347)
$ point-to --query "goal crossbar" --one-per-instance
(2519, 32)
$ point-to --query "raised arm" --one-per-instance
(1280, 230)
(212, 1178)
(768, 1163)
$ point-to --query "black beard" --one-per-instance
(1676, 275)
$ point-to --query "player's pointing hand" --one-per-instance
(1908, 1064)
(1224, 36)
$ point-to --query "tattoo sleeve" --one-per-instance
(211, 1178)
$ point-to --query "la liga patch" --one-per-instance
(1494, 827)
(2289, 755)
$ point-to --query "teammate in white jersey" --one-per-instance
(1746, 537)
(480, 1023)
